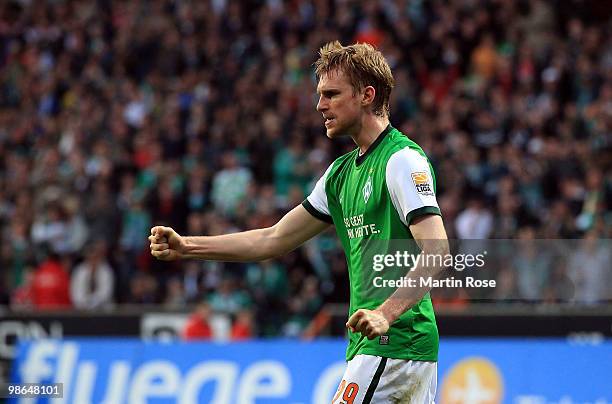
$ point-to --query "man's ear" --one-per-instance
(369, 93)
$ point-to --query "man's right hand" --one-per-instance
(166, 244)
(292, 230)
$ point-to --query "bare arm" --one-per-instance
(291, 231)
(428, 231)
(430, 235)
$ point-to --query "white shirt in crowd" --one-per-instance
(92, 293)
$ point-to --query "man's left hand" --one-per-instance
(370, 323)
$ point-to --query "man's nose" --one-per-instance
(321, 105)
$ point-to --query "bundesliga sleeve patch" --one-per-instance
(422, 183)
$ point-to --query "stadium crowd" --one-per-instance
(199, 115)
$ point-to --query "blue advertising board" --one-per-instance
(474, 371)
(538, 371)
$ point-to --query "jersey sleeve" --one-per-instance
(410, 184)
(316, 202)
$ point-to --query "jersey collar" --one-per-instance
(373, 146)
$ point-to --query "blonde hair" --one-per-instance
(364, 65)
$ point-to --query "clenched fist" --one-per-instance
(370, 323)
(166, 244)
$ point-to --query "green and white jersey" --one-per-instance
(372, 198)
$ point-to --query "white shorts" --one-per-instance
(373, 379)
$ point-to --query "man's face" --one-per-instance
(340, 106)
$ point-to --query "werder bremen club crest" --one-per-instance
(367, 189)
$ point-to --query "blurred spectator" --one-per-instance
(507, 289)
(167, 204)
(193, 280)
(76, 228)
(143, 289)
(303, 307)
(476, 222)
(50, 228)
(136, 222)
(532, 266)
(102, 212)
(17, 251)
(93, 280)
(560, 288)
(268, 279)
(589, 270)
(242, 328)
(175, 296)
(198, 326)
(484, 58)
(51, 284)
(23, 296)
(230, 184)
(227, 298)
(290, 168)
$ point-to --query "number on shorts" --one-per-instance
(350, 392)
